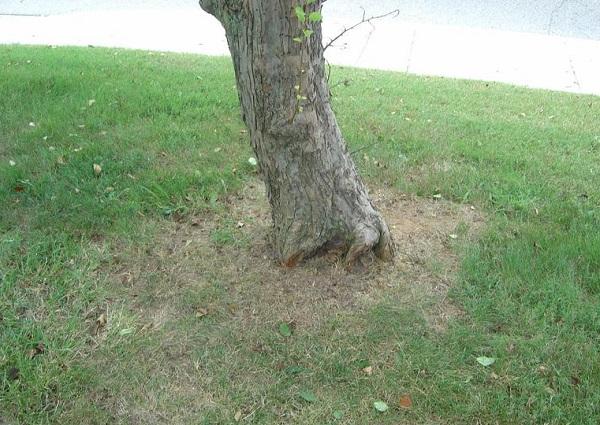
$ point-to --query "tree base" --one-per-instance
(369, 235)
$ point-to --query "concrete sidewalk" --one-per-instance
(527, 59)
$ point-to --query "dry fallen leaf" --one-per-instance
(147, 326)
(126, 278)
(101, 320)
(40, 348)
(13, 374)
(368, 370)
(201, 312)
(97, 169)
(406, 401)
(238, 416)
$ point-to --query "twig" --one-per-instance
(345, 82)
(362, 21)
(364, 147)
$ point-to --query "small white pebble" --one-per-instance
(12, 163)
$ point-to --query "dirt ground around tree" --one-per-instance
(232, 250)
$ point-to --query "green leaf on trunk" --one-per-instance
(307, 33)
(314, 16)
(300, 13)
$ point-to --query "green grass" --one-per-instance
(165, 129)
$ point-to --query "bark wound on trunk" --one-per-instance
(315, 192)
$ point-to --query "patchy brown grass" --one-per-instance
(187, 256)
(210, 284)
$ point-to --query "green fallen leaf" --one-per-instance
(486, 361)
(284, 329)
(362, 363)
(338, 414)
(380, 406)
(308, 395)
(294, 370)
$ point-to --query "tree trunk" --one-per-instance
(316, 195)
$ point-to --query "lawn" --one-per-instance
(143, 290)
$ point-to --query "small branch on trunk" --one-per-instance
(363, 20)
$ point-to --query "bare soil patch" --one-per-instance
(227, 258)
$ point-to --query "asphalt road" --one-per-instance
(568, 18)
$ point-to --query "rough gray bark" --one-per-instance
(316, 195)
